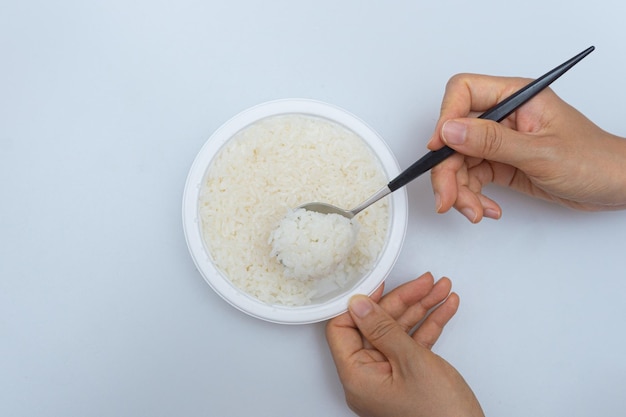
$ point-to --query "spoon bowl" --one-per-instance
(326, 208)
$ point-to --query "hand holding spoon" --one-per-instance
(432, 158)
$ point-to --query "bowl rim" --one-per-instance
(221, 284)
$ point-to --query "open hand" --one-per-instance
(389, 370)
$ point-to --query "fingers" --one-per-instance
(344, 339)
(487, 139)
(416, 312)
(411, 302)
(477, 92)
(457, 185)
(443, 178)
(429, 331)
(343, 336)
(381, 330)
(487, 152)
(470, 94)
(403, 298)
(378, 293)
(435, 309)
(404, 307)
(498, 147)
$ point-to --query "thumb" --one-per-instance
(486, 139)
(380, 329)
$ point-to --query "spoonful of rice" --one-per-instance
(431, 159)
(313, 245)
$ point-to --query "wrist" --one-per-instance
(612, 169)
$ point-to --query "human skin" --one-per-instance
(546, 149)
(385, 367)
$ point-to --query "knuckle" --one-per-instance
(381, 329)
(492, 140)
(456, 82)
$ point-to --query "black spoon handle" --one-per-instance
(497, 113)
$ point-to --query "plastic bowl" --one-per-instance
(323, 309)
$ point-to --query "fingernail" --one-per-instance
(453, 132)
(360, 306)
(469, 213)
(437, 202)
(492, 214)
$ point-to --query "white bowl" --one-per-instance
(325, 308)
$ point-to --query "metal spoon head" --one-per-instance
(327, 209)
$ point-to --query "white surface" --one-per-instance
(104, 105)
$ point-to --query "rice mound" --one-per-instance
(313, 245)
(262, 173)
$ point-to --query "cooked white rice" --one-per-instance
(313, 245)
(266, 170)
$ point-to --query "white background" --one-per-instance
(104, 105)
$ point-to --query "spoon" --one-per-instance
(497, 113)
